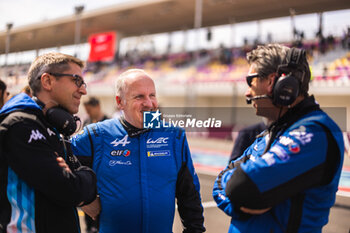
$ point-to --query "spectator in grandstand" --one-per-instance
(225, 55)
(346, 39)
(325, 72)
(3, 93)
(140, 171)
(287, 179)
(41, 181)
(245, 138)
(93, 109)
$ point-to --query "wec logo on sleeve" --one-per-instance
(36, 135)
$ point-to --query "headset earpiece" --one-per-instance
(63, 121)
(287, 87)
(286, 90)
(59, 118)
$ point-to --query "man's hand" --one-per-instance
(93, 209)
(63, 164)
(254, 211)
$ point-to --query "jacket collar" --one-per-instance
(293, 114)
(130, 129)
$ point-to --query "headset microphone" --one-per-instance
(258, 97)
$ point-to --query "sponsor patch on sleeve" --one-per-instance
(280, 152)
(301, 135)
(269, 159)
(294, 148)
(285, 141)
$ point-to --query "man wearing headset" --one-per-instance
(287, 179)
(140, 171)
(41, 182)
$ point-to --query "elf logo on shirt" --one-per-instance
(124, 153)
(294, 148)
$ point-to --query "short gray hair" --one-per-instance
(267, 58)
(49, 62)
(120, 83)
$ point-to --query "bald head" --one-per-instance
(128, 77)
(135, 94)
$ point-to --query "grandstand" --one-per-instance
(214, 83)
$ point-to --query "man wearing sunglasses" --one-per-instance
(41, 181)
(287, 179)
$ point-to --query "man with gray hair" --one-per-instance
(287, 179)
(140, 171)
(41, 181)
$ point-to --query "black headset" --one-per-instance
(64, 122)
(287, 87)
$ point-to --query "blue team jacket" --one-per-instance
(139, 177)
(298, 177)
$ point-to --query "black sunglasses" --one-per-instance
(249, 78)
(78, 80)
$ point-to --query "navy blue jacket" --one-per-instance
(139, 177)
(297, 175)
(36, 194)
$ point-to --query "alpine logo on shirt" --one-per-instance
(124, 141)
(36, 135)
(50, 132)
